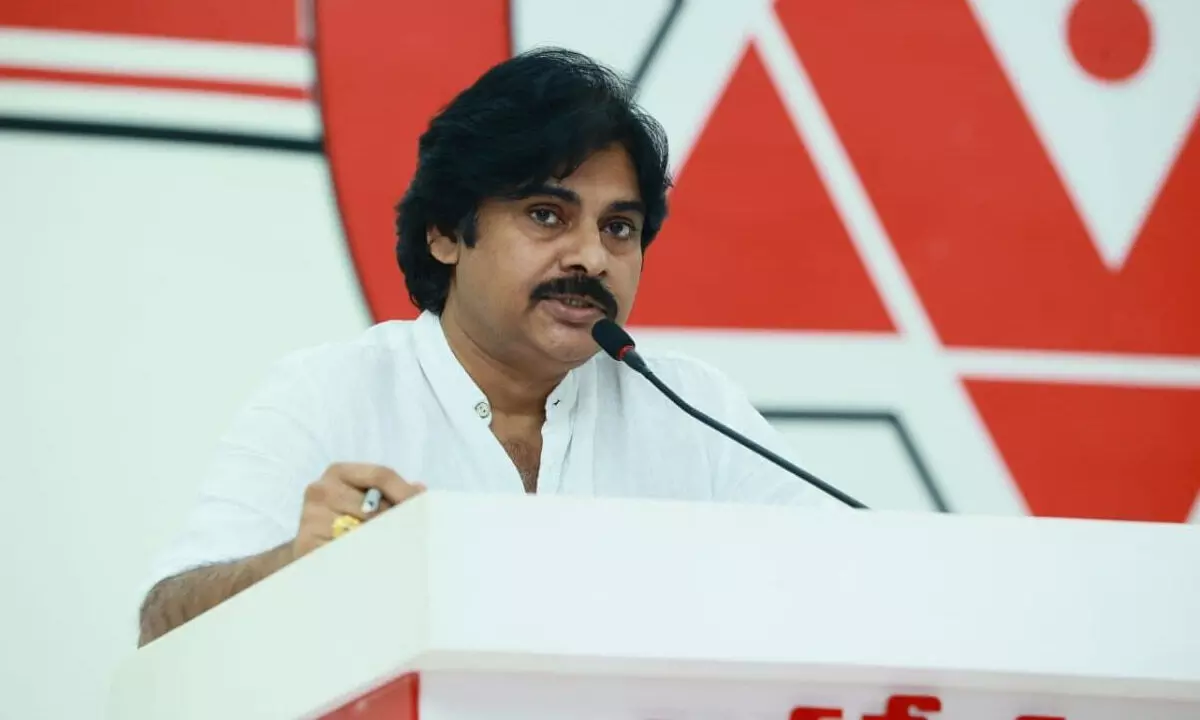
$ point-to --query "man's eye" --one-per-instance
(620, 229)
(545, 216)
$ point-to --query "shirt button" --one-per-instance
(482, 410)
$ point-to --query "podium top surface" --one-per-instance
(588, 586)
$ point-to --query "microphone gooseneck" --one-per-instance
(618, 345)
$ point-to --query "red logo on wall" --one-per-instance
(961, 167)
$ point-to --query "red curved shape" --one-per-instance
(383, 69)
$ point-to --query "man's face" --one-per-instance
(546, 267)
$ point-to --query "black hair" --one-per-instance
(533, 117)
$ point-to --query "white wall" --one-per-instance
(144, 288)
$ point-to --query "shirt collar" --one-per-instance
(455, 389)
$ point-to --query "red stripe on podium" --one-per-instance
(397, 700)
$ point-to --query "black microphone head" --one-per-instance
(612, 339)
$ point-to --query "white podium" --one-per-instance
(457, 607)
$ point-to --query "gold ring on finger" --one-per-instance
(343, 524)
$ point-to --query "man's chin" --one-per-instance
(567, 345)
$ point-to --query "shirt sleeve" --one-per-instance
(741, 475)
(252, 493)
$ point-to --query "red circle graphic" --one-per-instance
(1110, 39)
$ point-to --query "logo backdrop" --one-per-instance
(994, 201)
(950, 247)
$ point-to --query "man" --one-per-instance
(537, 193)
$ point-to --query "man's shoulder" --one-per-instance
(686, 374)
(381, 347)
(683, 367)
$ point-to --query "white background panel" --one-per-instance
(144, 291)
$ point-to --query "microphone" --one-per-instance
(617, 343)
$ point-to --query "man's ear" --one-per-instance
(443, 247)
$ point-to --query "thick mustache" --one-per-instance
(581, 285)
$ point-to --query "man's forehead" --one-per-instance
(608, 177)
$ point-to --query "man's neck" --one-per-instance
(510, 390)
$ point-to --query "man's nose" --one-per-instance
(585, 252)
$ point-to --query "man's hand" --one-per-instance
(340, 491)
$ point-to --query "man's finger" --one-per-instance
(320, 524)
(339, 498)
(364, 477)
(396, 491)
